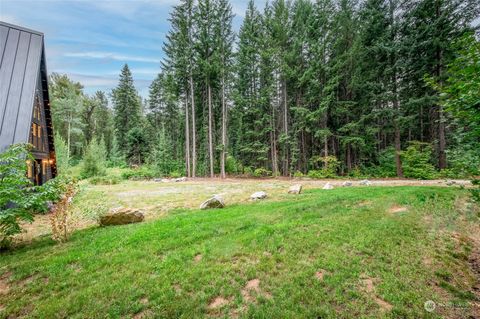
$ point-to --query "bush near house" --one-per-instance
(19, 198)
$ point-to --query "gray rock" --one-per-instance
(157, 180)
(258, 195)
(214, 202)
(122, 216)
(347, 184)
(365, 182)
(328, 186)
(180, 179)
(295, 189)
(450, 182)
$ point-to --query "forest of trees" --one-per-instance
(333, 87)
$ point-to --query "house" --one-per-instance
(24, 103)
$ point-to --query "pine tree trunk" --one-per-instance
(273, 143)
(325, 147)
(194, 138)
(398, 145)
(349, 157)
(285, 125)
(210, 129)
(224, 131)
(442, 157)
(187, 138)
(398, 149)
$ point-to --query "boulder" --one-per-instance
(180, 179)
(258, 195)
(157, 180)
(328, 186)
(295, 189)
(122, 216)
(214, 202)
(347, 184)
(365, 182)
(450, 182)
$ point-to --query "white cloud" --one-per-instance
(111, 56)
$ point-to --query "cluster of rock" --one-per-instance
(169, 180)
(122, 216)
(130, 215)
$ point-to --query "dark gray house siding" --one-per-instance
(23, 85)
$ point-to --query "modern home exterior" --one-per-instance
(24, 102)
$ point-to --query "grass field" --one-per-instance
(346, 253)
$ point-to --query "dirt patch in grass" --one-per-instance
(27, 280)
(368, 286)
(198, 258)
(147, 313)
(474, 262)
(177, 288)
(4, 286)
(397, 209)
(218, 302)
(253, 286)
(320, 274)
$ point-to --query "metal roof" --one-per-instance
(21, 59)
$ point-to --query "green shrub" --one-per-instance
(262, 172)
(17, 196)
(53, 190)
(19, 199)
(142, 172)
(231, 165)
(463, 161)
(247, 171)
(61, 153)
(298, 174)
(175, 174)
(104, 180)
(324, 167)
(94, 159)
(316, 173)
(416, 161)
(476, 190)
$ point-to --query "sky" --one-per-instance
(90, 40)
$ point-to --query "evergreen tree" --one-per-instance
(224, 42)
(67, 102)
(94, 159)
(127, 109)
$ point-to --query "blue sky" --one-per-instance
(90, 40)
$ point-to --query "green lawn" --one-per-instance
(345, 253)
